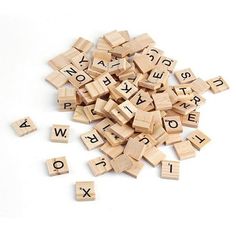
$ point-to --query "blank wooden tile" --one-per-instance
(111, 151)
(184, 108)
(135, 169)
(123, 131)
(184, 150)
(57, 166)
(120, 51)
(121, 163)
(127, 109)
(75, 76)
(102, 44)
(167, 63)
(81, 61)
(191, 119)
(170, 169)
(126, 89)
(85, 191)
(118, 117)
(143, 121)
(218, 84)
(56, 79)
(60, 133)
(96, 89)
(185, 76)
(199, 86)
(92, 139)
(153, 156)
(99, 105)
(134, 149)
(162, 101)
(91, 114)
(100, 165)
(85, 96)
(80, 116)
(58, 62)
(143, 63)
(173, 138)
(71, 53)
(24, 126)
(83, 45)
(114, 38)
(172, 124)
(198, 139)
(109, 106)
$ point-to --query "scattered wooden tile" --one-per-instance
(85, 191)
(218, 84)
(198, 139)
(173, 124)
(60, 133)
(191, 119)
(114, 38)
(57, 166)
(127, 109)
(173, 138)
(66, 99)
(56, 79)
(111, 151)
(126, 89)
(85, 96)
(96, 89)
(183, 108)
(143, 63)
(100, 165)
(153, 156)
(80, 116)
(170, 169)
(83, 45)
(141, 99)
(24, 126)
(185, 76)
(103, 126)
(199, 86)
(135, 169)
(91, 114)
(167, 63)
(184, 150)
(92, 139)
(80, 61)
(123, 131)
(58, 62)
(121, 163)
(162, 101)
(99, 105)
(198, 100)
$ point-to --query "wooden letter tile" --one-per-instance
(173, 124)
(123, 131)
(191, 119)
(81, 61)
(23, 126)
(60, 133)
(218, 84)
(126, 89)
(100, 165)
(127, 109)
(170, 169)
(57, 166)
(184, 108)
(184, 150)
(85, 191)
(198, 139)
(92, 139)
(185, 76)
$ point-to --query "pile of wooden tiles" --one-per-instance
(122, 85)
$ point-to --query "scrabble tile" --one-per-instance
(170, 169)
(183, 108)
(173, 138)
(143, 121)
(123, 131)
(191, 119)
(141, 99)
(172, 124)
(111, 151)
(146, 139)
(135, 169)
(91, 114)
(102, 44)
(157, 118)
(185, 76)
(162, 101)
(92, 139)
(183, 91)
(218, 84)
(167, 63)
(58, 62)
(172, 95)
(75, 76)
(127, 109)
(101, 54)
(154, 156)
(60, 133)
(99, 65)
(126, 89)
(154, 54)
(113, 139)
(71, 53)
(99, 105)
(158, 76)
(103, 126)
(66, 98)
(199, 86)
(120, 51)
(100, 165)
(184, 150)
(85, 96)
(83, 45)
(118, 117)
(118, 66)
(114, 38)
(121, 163)
(23, 126)
(198, 100)
(125, 35)
(57, 166)
(106, 80)
(80, 116)
(80, 61)
(134, 149)
(96, 89)
(143, 63)
(56, 79)
(85, 191)
(198, 139)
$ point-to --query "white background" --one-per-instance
(200, 35)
